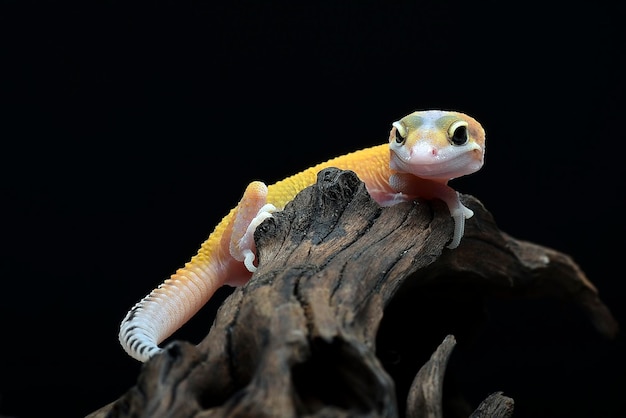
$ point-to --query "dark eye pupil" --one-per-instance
(399, 138)
(459, 137)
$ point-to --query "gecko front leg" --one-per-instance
(430, 189)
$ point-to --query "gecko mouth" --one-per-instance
(447, 168)
(443, 165)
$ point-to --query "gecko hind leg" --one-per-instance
(263, 213)
(251, 211)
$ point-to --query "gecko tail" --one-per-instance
(158, 315)
(137, 334)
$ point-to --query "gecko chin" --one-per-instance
(447, 170)
(437, 168)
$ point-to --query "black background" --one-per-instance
(128, 130)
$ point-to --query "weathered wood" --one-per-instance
(425, 398)
(303, 337)
(495, 406)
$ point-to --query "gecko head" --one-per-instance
(437, 144)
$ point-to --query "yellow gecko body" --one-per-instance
(425, 150)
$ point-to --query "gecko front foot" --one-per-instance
(459, 214)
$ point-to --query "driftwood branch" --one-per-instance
(306, 336)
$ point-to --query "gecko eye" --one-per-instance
(399, 138)
(400, 132)
(458, 133)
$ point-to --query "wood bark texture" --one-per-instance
(313, 334)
